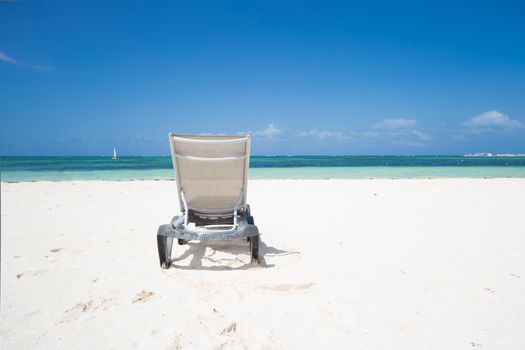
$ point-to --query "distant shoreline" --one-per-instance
(283, 155)
(25, 169)
(284, 179)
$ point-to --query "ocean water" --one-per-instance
(292, 167)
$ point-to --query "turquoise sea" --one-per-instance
(278, 167)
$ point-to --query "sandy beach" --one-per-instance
(361, 264)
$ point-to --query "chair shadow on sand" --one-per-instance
(236, 248)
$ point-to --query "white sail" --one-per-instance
(114, 152)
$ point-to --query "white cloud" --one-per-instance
(490, 121)
(8, 59)
(398, 131)
(370, 134)
(395, 123)
(270, 132)
(4, 57)
(422, 136)
(140, 139)
(393, 131)
(323, 134)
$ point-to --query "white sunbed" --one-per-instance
(212, 179)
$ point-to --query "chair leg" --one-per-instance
(164, 244)
(254, 241)
(249, 219)
(254, 248)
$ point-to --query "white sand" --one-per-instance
(361, 264)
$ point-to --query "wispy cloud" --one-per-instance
(324, 134)
(393, 131)
(8, 59)
(395, 123)
(398, 131)
(491, 121)
(270, 132)
(140, 139)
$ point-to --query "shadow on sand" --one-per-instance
(235, 248)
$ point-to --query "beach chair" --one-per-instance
(212, 179)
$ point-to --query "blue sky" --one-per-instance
(302, 77)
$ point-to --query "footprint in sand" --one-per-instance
(288, 287)
(82, 308)
(231, 344)
(180, 342)
(230, 329)
(30, 273)
(142, 297)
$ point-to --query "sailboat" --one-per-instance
(114, 153)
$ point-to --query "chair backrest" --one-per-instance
(211, 171)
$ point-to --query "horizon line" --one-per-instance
(481, 154)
